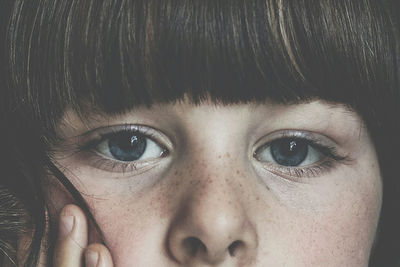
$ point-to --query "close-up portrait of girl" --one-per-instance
(199, 133)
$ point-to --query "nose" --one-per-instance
(212, 227)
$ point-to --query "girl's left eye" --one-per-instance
(289, 152)
(129, 146)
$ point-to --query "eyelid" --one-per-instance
(314, 138)
(95, 136)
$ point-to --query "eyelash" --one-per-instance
(331, 158)
(101, 162)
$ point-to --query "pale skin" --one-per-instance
(215, 196)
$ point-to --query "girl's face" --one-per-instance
(226, 185)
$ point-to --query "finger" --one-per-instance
(72, 238)
(97, 255)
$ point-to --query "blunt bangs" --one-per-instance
(118, 54)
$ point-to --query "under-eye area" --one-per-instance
(298, 154)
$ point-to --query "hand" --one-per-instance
(72, 248)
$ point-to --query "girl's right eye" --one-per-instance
(129, 146)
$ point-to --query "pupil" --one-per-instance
(289, 152)
(127, 146)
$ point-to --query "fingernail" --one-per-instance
(66, 224)
(91, 258)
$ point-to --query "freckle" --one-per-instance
(257, 198)
(228, 155)
(267, 187)
(219, 156)
(176, 173)
(237, 171)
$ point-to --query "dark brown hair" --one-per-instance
(114, 55)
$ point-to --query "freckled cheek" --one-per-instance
(123, 240)
(132, 235)
(347, 232)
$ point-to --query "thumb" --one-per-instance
(72, 238)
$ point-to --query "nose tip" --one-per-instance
(211, 234)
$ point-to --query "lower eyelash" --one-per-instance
(301, 172)
(99, 162)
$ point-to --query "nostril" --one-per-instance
(193, 245)
(235, 247)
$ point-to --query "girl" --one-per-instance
(197, 133)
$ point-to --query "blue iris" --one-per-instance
(127, 146)
(289, 151)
